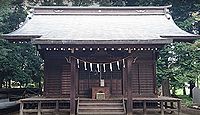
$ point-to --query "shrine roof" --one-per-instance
(101, 25)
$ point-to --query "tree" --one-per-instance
(11, 15)
(179, 62)
(20, 63)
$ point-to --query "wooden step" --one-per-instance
(102, 108)
(101, 113)
(100, 101)
(101, 104)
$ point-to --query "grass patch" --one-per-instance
(186, 100)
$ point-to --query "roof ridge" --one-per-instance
(101, 10)
(95, 7)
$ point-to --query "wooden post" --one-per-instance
(161, 108)
(39, 108)
(73, 85)
(124, 82)
(57, 108)
(21, 108)
(144, 107)
(129, 88)
(179, 106)
(172, 105)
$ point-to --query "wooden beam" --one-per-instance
(73, 90)
(161, 108)
(21, 108)
(129, 88)
(39, 108)
(124, 82)
(144, 107)
(57, 108)
(76, 80)
(179, 106)
(154, 73)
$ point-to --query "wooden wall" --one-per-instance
(57, 75)
(143, 75)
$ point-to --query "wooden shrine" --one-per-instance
(105, 52)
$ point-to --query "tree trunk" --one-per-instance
(9, 83)
(173, 91)
(184, 90)
(198, 82)
(6, 84)
(1, 82)
(192, 85)
(165, 87)
(40, 86)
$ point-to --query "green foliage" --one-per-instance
(180, 63)
(19, 63)
(12, 13)
(186, 100)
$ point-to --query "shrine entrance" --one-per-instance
(107, 76)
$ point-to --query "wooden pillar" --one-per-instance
(57, 108)
(73, 85)
(154, 73)
(179, 106)
(161, 108)
(39, 108)
(124, 82)
(21, 108)
(129, 88)
(144, 107)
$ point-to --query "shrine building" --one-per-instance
(99, 60)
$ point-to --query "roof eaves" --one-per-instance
(189, 38)
(19, 37)
(153, 41)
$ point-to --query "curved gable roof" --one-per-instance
(124, 25)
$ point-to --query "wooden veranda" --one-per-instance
(40, 105)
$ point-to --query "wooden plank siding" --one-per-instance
(66, 80)
(52, 78)
(143, 76)
(57, 75)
